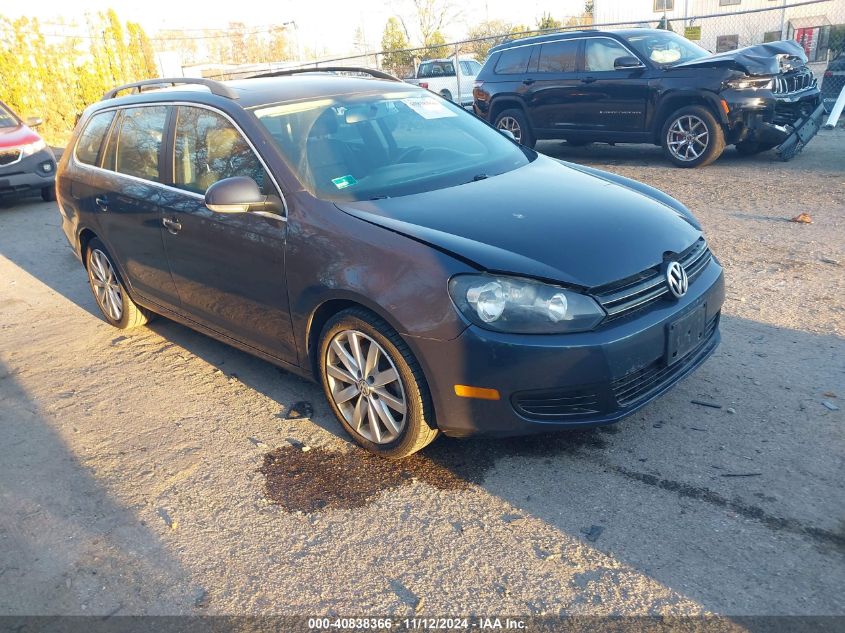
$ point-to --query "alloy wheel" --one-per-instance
(366, 386)
(511, 125)
(688, 138)
(105, 284)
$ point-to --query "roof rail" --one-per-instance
(215, 87)
(377, 74)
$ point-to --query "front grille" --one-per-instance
(623, 297)
(796, 81)
(641, 383)
(556, 403)
(9, 156)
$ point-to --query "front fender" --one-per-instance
(334, 256)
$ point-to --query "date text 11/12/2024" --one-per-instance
(417, 624)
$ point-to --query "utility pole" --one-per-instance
(783, 21)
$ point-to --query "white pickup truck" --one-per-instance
(438, 75)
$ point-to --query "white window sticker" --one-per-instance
(428, 107)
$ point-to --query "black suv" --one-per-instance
(651, 86)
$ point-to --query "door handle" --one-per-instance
(102, 203)
(172, 226)
(588, 80)
(528, 82)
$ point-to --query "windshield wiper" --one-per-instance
(480, 177)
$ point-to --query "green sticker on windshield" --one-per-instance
(344, 181)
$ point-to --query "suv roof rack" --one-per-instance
(377, 74)
(215, 87)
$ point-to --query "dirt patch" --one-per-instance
(317, 479)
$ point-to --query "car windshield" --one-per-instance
(665, 48)
(364, 147)
(7, 119)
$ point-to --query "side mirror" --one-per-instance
(33, 121)
(240, 194)
(627, 62)
(508, 133)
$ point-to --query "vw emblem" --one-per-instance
(676, 279)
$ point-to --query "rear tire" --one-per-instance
(750, 148)
(109, 290)
(382, 401)
(692, 137)
(515, 121)
(48, 194)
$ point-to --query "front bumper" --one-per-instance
(787, 122)
(30, 173)
(550, 382)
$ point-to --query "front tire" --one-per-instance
(515, 121)
(48, 194)
(692, 137)
(109, 291)
(374, 385)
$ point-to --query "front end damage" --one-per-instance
(787, 113)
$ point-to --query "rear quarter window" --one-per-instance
(138, 146)
(513, 61)
(91, 139)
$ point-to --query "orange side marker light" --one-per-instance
(481, 393)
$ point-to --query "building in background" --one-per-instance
(813, 25)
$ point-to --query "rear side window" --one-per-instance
(91, 139)
(514, 61)
(209, 148)
(436, 69)
(139, 142)
(558, 57)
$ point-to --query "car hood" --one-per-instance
(760, 59)
(16, 136)
(544, 220)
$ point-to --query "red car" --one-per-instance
(27, 163)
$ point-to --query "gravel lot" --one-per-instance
(160, 472)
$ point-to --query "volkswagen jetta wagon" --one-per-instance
(434, 275)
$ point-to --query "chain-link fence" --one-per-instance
(717, 25)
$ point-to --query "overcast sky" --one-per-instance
(322, 24)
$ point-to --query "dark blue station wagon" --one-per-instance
(434, 275)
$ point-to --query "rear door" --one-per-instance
(130, 201)
(554, 87)
(229, 268)
(612, 100)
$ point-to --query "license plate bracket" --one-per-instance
(685, 334)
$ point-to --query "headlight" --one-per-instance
(524, 306)
(33, 148)
(748, 83)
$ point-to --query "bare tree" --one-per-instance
(428, 17)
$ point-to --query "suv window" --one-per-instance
(601, 53)
(91, 139)
(514, 61)
(139, 142)
(7, 119)
(558, 57)
(209, 148)
(436, 69)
